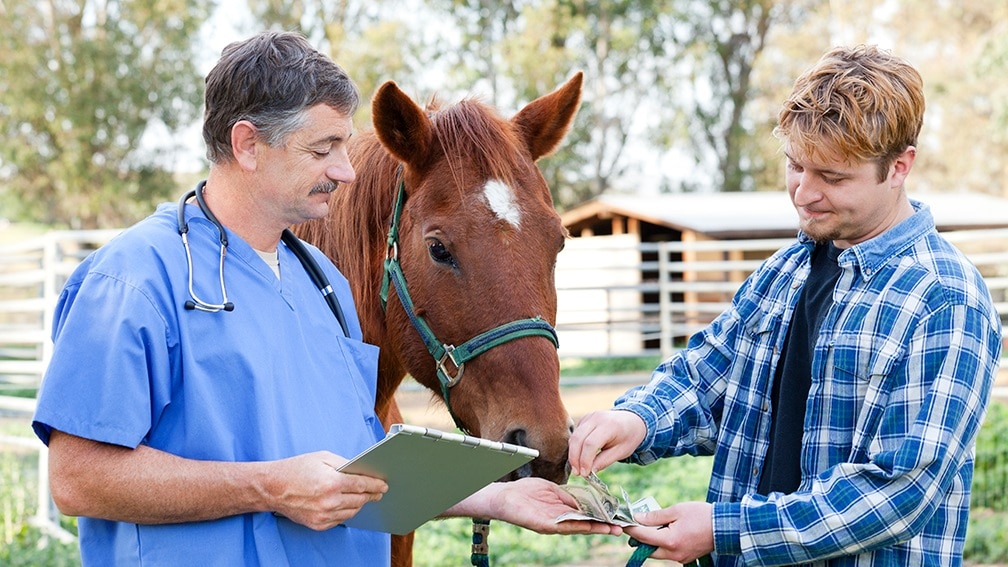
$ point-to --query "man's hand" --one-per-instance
(601, 438)
(532, 503)
(684, 531)
(309, 490)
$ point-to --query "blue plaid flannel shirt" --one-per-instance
(901, 377)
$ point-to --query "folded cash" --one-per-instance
(596, 502)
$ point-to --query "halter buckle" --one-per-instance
(443, 369)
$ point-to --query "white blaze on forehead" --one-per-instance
(502, 202)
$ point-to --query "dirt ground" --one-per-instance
(418, 407)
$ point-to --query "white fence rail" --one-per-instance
(32, 274)
(616, 297)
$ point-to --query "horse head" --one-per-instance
(477, 240)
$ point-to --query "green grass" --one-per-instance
(447, 542)
(607, 366)
(22, 545)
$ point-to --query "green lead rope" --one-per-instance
(480, 549)
(641, 552)
(644, 550)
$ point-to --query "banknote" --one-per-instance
(596, 502)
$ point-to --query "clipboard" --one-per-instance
(428, 471)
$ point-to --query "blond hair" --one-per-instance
(857, 103)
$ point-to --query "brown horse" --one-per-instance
(477, 241)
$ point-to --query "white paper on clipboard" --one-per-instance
(428, 471)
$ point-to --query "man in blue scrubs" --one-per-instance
(187, 429)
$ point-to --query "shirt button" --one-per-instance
(755, 471)
(766, 406)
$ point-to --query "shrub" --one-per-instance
(990, 472)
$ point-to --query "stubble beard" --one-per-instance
(818, 232)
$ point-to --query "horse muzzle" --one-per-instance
(551, 464)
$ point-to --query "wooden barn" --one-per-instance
(642, 273)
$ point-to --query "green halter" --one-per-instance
(442, 352)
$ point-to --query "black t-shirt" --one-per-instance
(782, 467)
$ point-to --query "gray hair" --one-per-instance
(270, 80)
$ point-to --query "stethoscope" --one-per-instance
(315, 272)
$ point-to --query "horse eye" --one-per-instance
(439, 253)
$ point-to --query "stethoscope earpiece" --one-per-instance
(190, 305)
(196, 303)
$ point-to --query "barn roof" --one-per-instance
(761, 214)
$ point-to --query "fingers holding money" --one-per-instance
(684, 532)
(595, 502)
(602, 438)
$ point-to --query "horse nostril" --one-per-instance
(517, 437)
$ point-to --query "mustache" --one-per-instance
(327, 186)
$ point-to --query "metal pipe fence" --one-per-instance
(616, 298)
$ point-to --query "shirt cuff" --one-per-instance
(728, 528)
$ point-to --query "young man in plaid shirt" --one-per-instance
(842, 391)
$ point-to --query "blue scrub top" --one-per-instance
(272, 379)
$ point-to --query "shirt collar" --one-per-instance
(872, 254)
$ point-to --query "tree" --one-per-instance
(484, 27)
(661, 77)
(528, 48)
(725, 39)
(959, 49)
(90, 94)
(962, 54)
(373, 40)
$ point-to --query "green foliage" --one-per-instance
(81, 84)
(986, 537)
(608, 366)
(30, 548)
(20, 543)
(990, 470)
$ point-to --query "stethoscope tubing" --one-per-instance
(309, 264)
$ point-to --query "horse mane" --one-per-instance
(353, 233)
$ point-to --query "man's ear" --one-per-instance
(244, 139)
(902, 166)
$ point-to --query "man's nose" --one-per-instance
(341, 170)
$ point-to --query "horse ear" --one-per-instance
(545, 121)
(403, 128)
